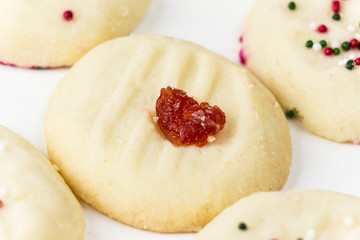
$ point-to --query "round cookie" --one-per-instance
(305, 214)
(307, 77)
(35, 202)
(47, 34)
(101, 131)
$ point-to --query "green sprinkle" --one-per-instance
(242, 226)
(346, 46)
(290, 114)
(323, 43)
(359, 46)
(292, 6)
(336, 17)
(336, 51)
(350, 65)
(41, 68)
(310, 44)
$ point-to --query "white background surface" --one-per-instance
(215, 24)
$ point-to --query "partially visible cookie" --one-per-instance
(305, 214)
(103, 132)
(35, 202)
(52, 33)
(307, 53)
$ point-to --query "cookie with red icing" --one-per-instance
(307, 54)
(47, 34)
(35, 202)
(162, 134)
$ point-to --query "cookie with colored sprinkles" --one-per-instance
(35, 202)
(297, 215)
(310, 61)
(52, 34)
(162, 134)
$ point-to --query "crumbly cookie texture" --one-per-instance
(46, 34)
(35, 202)
(303, 214)
(101, 130)
(308, 57)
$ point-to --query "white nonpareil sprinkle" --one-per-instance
(351, 28)
(317, 46)
(357, 36)
(211, 139)
(310, 235)
(352, 56)
(313, 25)
(341, 63)
(3, 192)
(335, 44)
(349, 221)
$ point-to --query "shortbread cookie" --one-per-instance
(305, 214)
(301, 51)
(35, 202)
(52, 33)
(103, 133)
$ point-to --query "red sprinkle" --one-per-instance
(322, 28)
(336, 6)
(242, 57)
(68, 15)
(354, 43)
(357, 61)
(328, 51)
(241, 39)
(1, 204)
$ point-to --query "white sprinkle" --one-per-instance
(351, 28)
(317, 46)
(155, 119)
(202, 118)
(335, 44)
(341, 63)
(211, 139)
(3, 192)
(2, 147)
(310, 235)
(120, 141)
(313, 25)
(251, 85)
(352, 56)
(357, 36)
(276, 104)
(349, 221)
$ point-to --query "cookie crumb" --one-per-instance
(211, 139)
(155, 119)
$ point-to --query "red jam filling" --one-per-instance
(186, 122)
(1, 204)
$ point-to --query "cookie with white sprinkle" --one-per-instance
(302, 214)
(128, 131)
(35, 202)
(48, 34)
(307, 53)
